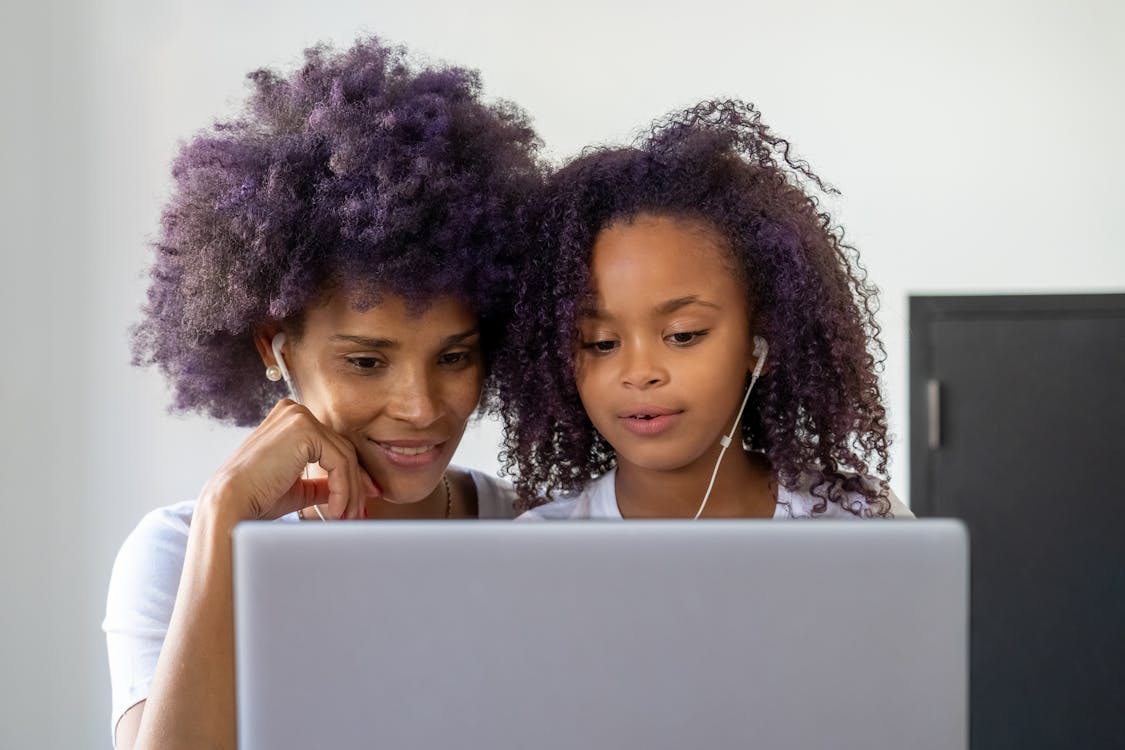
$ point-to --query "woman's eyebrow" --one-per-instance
(672, 305)
(457, 338)
(368, 342)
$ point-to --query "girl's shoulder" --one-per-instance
(817, 495)
(496, 498)
(598, 499)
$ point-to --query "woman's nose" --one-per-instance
(412, 398)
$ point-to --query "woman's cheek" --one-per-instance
(466, 392)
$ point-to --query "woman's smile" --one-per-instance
(411, 453)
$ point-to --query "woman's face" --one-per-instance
(398, 383)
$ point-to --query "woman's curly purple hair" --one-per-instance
(360, 169)
(818, 406)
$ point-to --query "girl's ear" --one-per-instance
(760, 355)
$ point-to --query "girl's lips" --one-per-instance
(651, 425)
(411, 453)
(647, 410)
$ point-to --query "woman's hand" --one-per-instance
(264, 478)
(192, 697)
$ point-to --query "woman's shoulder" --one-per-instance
(146, 571)
(853, 496)
(160, 532)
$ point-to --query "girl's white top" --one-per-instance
(599, 500)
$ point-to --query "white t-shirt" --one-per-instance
(146, 577)
(599, 500)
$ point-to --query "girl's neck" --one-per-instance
(744, 488)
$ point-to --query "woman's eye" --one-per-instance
(453, 358)
(686, 337)
(363, 363)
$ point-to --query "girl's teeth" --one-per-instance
(409, 451)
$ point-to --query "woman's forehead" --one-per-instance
(389, 310)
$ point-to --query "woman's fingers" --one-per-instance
(344, 459)
(373, 489)
(266, 476)
(337, 457)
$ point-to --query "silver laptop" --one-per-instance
(639, 635)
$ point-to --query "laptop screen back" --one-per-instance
(563, 635)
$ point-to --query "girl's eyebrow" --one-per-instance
(675, 304)
(593, 312)
(377, 343)
(590, 307)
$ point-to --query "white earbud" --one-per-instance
(276, 343)
(761, 351)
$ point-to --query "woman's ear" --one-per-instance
(263, 342)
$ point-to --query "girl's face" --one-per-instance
(664, 343)
(398, 384)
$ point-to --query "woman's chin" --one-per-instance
(409, 500)
(399, 487)
(407, 493)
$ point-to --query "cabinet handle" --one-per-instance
(933, 413)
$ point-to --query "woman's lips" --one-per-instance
(411, 453)
(648, 422)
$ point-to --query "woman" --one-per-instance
(332, 267)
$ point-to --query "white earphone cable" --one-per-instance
(761, 348)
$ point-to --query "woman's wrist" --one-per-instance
(219, 509)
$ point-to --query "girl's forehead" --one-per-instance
(658, 246)
(654, 259)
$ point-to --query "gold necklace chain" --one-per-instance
(448, 496)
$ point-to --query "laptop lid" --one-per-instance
(648, 635)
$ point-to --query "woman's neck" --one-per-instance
(453, 497)
(744, 488)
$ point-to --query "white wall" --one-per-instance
(977, 146)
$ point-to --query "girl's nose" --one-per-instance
(642, 368)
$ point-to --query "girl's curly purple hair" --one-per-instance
(817, 407)
(360, 168)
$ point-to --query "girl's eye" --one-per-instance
(600, 347)
(364, 363)
(684, 338)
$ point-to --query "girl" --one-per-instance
(348, 242)
(697, 340)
